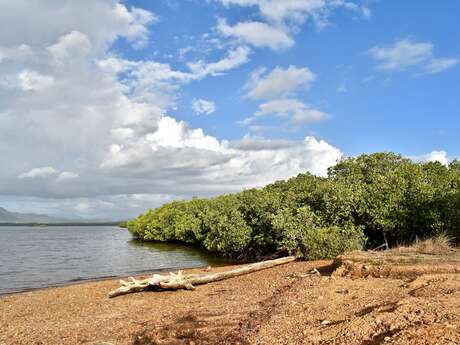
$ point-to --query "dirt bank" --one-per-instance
(282, 305)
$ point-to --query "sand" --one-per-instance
(281, 305)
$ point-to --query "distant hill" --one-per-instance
(16, 217)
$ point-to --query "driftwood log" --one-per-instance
(188, 281)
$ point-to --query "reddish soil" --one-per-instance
(369, 299)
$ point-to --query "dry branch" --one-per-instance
(188, 281)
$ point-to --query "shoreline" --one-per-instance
(370, 298)
(109, 278)
(82, 313)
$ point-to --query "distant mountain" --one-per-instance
(15, 217)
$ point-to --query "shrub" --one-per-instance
(367, 199)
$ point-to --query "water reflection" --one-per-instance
(32, 257)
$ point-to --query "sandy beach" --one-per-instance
(281, 305)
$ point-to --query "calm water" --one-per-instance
(36, 257)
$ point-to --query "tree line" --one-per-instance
(364, 201)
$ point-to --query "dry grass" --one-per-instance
(438, 245)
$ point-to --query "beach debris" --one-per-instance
(179, 280)
(315, 272)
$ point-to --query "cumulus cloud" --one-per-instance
(216, 165)
(434, 156)
(276, 86)
(297, 112)
(101, 21)
(280, 20)
(280, 82)
(408, 53)
(95, 123)
(298, 11)
(70, 45)
(39, 172)
(202, 106)
(34, 81)
(257, 34)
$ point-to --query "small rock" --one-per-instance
(326, 322)
(387, 339)
(342, 291)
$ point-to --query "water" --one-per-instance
(37, 257)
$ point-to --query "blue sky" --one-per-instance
(404, 111)
(108, 107)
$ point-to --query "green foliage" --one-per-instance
(370, 198)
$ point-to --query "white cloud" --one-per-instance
(434, 156)
(19, 53)
(202, 106)
(281, 20)
(196, 161)
(364, 11)
(276, 87)
(137, 32)
(126, 146)
(307, 115)
(408, 53)
(298, 112)
(101, 21)
(295, 12)
(34, 81)
(155, 83)
(70, 45)
(47, 172)
(257, 34)
(278, 83)
(402, 54)
(235, 58)
(280, 11)
(67, 175)
(440, 65)
(39, 172)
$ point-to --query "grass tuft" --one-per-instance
(440, 244)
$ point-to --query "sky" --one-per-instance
(110, 107)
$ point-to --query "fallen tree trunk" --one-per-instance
(188, 281)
